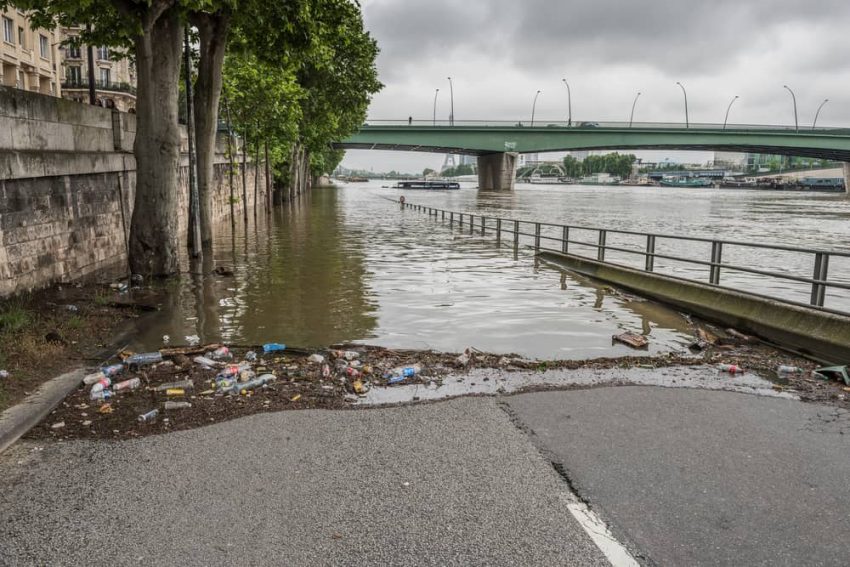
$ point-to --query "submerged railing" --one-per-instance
(651, 249)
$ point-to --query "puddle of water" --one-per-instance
(494, 381)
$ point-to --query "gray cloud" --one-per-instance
(499, 52)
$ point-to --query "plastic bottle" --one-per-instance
(101, 385)
(731, 368)
(130, 384)
(143, 359)
(102, 396)
(150, 416)
(186, 384)
(352, 372)
(273, 347)
(93, 378)
(326, 371)
(207, 363)
(789, 369)
(176, 405)
(221, 353)
(402, 373)
(317, 358)
(233, 370)
(112, 370)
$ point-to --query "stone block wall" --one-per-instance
(66, 175)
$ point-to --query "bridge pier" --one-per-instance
(847, 178)
(497, 172)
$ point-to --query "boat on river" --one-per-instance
(686, 182)
(426, 185)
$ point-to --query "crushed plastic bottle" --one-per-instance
(221, 353)
(185, 384)
(102, 395)
(150, 416)
(316, 358)
(273, 347)
(206, 363)
(352, 372)
(112, 370)
(731, 368)
(93, 378)
(176, 405)
(101, 385)
(784, 369)
(130, 384)
(251, 356)
(326, 371)
(233, 370)
(143, 359)
(402, 373)
(255, 383)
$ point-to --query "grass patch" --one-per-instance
(75, 322)
(102, 299)
(13, 318)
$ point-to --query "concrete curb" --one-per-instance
(16, 421)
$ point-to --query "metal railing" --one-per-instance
(819, 281)
(601, 125)
(74, 84)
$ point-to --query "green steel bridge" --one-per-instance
(497, 143)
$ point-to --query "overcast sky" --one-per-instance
(500, 52)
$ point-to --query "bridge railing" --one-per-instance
(567, 239)
(592, 124)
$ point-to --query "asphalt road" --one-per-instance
(694, 477)
(454, 483)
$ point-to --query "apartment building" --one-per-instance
(114, 75)
(29, 58)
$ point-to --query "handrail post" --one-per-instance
(650, 252)
(443, 213)
(460, 221)
(471, 223)
(600, 250)
(451, 219)
(716, 258)
(821, 269)
(516, 235)
(537, 237)
(483, 224)
(498, 232)
(565, 239)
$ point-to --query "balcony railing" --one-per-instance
(100, 85)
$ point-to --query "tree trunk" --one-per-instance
(244, 179)
(212, 31)
(154, 225)
(268, 180)
(256, 173)
(231, 163)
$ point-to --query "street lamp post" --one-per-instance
(569, 103)
(684, 92)
(826, 100)
(452, 96)
(728, 108)
(794, 98)
(436, 92)
(632, 116)
(534, 107)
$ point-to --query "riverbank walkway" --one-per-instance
(681, 476)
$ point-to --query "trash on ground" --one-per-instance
(4, 374)
(182, 384)
(316, 358)
(169, 405)
(401, 374)
(58, 425)
(466, 357)
(631, 339)
(149, 416)
(143, 359)
(731, 368)
(833, 373)
(273, 347)
(785, 369)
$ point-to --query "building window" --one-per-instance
(8, 30)
(22, 38)
(44, 46)
(103, 53)
(74, 52)
(104, 77)
(75, 75)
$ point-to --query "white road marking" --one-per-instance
(614, 551)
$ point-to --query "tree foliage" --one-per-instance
(613, 164)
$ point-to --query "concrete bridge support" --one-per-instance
(847, 178)
(497, 172)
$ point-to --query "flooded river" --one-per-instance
(347, 264)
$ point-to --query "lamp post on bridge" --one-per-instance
(435, 105)
(632, 116)
(534, 107)
(569, 103)
(794, 98)
(728, 108)
(826, 100)
(452, 96)
(684, 92)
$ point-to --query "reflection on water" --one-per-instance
(349, 265)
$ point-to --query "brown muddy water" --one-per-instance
(346, 264)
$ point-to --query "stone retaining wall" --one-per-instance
(66, 173)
